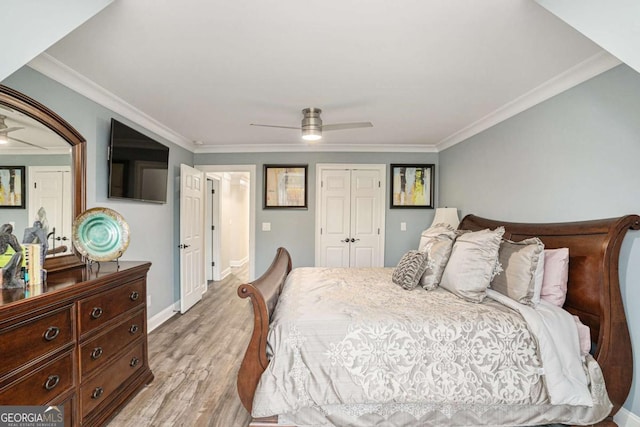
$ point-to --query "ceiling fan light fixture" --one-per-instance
(3, 138)
(311, 134)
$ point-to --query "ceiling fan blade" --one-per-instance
(274, 126)
(342, 126)
(25, 142)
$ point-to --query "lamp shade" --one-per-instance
(446, 216)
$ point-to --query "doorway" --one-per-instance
(230, 219)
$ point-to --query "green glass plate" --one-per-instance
(100, 234)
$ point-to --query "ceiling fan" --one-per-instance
(4, 133)
(312, 126)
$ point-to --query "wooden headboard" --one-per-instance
(593, 291)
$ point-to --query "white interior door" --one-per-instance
(215, 229)
(365, 223)
(192, 277)
(351, 217)
(335, 218)
(50, 188)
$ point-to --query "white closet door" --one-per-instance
(351, 208)
(50, 189)
(335, 220)
(365, 208)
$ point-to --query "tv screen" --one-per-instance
(138, 165)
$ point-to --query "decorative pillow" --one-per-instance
(556, 275)
(436, 242)
(584, 336)
(471, 264)
(523, 268)
(409, 270)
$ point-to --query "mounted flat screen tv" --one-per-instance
(138, 165)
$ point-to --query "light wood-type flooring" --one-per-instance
(195, 359)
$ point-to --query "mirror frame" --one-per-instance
(32, 108)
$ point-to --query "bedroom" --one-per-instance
(580, 147)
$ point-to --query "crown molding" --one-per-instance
(591, 67)
(317, 147)
(56, 70)
(581, 72)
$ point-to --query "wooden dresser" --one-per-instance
(79, 341)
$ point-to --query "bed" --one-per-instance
(593, 294)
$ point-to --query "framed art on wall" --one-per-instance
(412, 186)
(285, 186)
(12, 187)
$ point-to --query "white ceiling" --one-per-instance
(427, 73)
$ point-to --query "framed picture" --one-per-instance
(412, 186)
(285, 186)
(12, 187)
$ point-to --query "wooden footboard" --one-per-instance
(264, 293)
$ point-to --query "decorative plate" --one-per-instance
(100, 234)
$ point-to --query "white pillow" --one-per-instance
(436, 242)
(556, 275)
(471, 264)
(522, 265)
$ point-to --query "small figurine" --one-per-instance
(10, 269)
(37, 234)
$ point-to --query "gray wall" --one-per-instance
(573, 157)
(154, 227)
(294, 229)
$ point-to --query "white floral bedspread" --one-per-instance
(351, 336)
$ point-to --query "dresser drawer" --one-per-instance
(41, 386)
(101, 349)
(96, 311)
(100, 388)
(35, 337)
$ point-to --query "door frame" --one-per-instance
(251, 169)
(320, 167)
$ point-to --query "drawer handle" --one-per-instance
(96, 312)
(51, 333)
(133, 329)
(134, 296)
(134, 362)
(96, 353)
(52, 382)
(97, 392)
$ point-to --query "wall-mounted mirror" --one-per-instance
(42, 174)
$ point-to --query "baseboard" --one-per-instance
(239, 263)
(163, 316)
(625, 418)
(224, 273)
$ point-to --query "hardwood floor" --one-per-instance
(195, 359)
